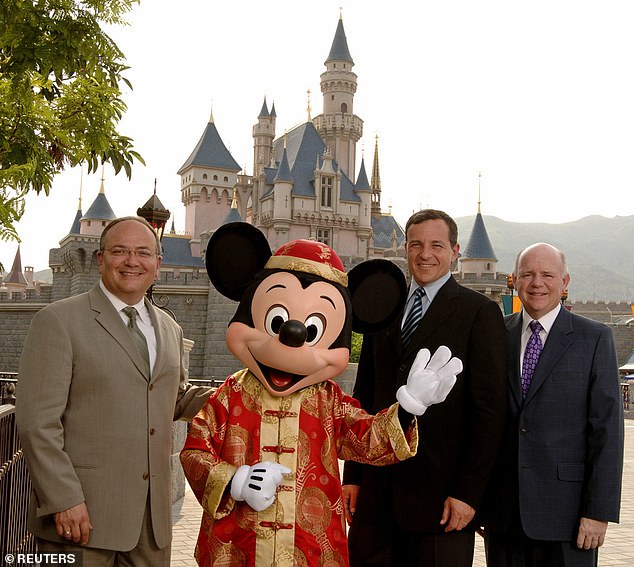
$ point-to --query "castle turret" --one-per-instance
(362, 188)
(98, 215)
(283, 200)
(208, 177)
(340, 128)
(263, 136)
(376, 181)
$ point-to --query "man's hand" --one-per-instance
(456, 514)
(74, 524)
(429, 381)
(591, 533)
(349, 492)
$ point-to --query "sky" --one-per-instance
(531, 101)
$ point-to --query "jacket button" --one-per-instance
(523, 431)
(146, 476)
(152, 431)
(151, 387)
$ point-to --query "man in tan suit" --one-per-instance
(99, 385)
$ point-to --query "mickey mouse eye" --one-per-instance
(315, 327)
(275, 318)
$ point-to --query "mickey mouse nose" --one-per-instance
(293, 333)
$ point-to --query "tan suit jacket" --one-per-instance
(93, 426)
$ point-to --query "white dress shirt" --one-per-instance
(144, 322)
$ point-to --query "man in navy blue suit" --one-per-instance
(558, 483)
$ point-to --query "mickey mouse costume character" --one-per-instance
(262, 455)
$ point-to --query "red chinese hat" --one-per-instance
(311, 257)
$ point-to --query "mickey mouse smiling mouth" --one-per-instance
(288, 345)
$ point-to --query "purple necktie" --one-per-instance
(531, 356)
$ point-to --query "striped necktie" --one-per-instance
(531, 356)
(138, 337)
(413, 317)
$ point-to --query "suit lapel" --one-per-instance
(441, 308)
(106, 316)
(514, 334)
(159, 330)
(558, 341)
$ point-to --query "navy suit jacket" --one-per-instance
(459, 438)
(563, 450)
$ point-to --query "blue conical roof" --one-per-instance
(284, 171)
(362, 183)
(339, 50)
(76, 226)
(479, 246)
(211, 152)
(100, 208)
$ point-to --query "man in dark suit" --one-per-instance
(558, 483)
(422, 512)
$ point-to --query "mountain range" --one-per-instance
(599, 251)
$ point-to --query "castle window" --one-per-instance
(204, 176)
(324, 236)
(344, 108)
(226, 178)
(326, 191)
(215, 178)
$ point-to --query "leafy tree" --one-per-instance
(60, 95)
(355, 350)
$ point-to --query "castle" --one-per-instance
(305, 184)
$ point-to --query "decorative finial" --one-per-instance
(479, 179)
(284, 139)
(211, 113)
(102, 189)
(341, 12)
(308, 107)
(155, 185)
(81, 184)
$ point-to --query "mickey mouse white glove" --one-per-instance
(257, 484)
(429, 381)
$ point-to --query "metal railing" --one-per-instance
(15, 488)
(8, 380)
(625, 391)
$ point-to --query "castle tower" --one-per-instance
(98, 215)
(478, 256)
(338, 125)
(283, 200)
(375, 184)
(208, 177)
(263, 136)
(15, 282)
(362, 188)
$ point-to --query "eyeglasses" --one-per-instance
(141, 253)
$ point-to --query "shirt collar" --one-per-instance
(546, 321)
(431, 289)
(119, 305)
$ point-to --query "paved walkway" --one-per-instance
(618, 551)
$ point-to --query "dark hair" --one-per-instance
(140, 220)
(432, 214)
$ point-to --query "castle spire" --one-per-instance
(479, 180)
(375, 183)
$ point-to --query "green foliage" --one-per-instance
(355, 350)
(60, 96)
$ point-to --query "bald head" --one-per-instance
(540, 278)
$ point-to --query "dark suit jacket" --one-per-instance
(94, 426)
(459, 438)
(563, 450)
